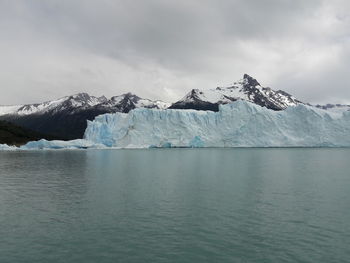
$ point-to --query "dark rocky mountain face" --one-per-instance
(193, 101)
(67, 117)
(246, 89)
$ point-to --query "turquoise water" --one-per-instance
(175, 205)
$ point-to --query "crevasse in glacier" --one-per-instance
(240, 124)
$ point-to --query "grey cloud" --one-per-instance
(161, 49)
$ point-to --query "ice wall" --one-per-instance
(240, 124)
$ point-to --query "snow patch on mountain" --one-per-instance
(9, 109)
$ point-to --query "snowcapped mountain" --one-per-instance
(248, 89)
(126, 102)
(66, 117)
(81, 100)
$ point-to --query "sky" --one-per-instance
(161, 49)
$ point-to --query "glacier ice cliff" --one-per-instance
(240, 124)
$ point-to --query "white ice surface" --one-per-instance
(56, 144)
(5, 147)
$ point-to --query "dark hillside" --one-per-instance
(12, 134)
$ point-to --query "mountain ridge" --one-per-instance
(66, 117)
(12, 134)
(248, 89)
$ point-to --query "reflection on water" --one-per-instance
(175, 205)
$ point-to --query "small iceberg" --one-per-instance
(55, 144)
(5, 147)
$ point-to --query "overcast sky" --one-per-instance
(161, 49)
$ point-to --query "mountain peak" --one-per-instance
(125, 97)
(81, 96)
(102, 98)
(130, 95)
(248, 89)
(250, 80)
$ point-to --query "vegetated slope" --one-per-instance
(15, 135)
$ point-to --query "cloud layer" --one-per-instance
(161, 49)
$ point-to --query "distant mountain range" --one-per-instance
(333, 107)
(67, 117)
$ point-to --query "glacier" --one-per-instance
(239, 124)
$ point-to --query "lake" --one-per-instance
(175, 205)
